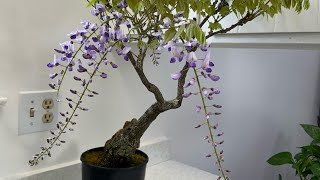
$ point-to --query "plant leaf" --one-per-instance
(315, 168)
(313, 150)
(169, 34)
(312, 131)
(281, 158)
(91, 3)
(180, 30)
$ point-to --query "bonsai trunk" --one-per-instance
(124, 143)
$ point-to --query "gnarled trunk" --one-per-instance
(124, 143)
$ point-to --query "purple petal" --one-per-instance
(113, 65)
(77, 78)
(59, 51)
(100, 7)
(126, 58)
(186, 85)
(173, 60)
(73, 91)
(204, 91)
(198, 109)
(50, 65)
(73, 34)
(86, 56)
(217, 106)
(208, 70)
(81, 69)
(52, 76)
(125, 50)
(216, 91)
(104, 75)
(192, 81)
(52, 85)
(192, 65)
(186, 95)
(214, 77)
(105, 62)
(205, 63)
(95, 39)
(85, 24)
(176, 76)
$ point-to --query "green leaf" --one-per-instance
(313, 150)
(315, 178)
(315, 168)
(141, 44)
(281, 159)
(92, 2)
(190, 31)
(215, 26)
(169, 34)
(279, 177)
(312, 131)
(180, 30)
(224, 11)
(306, 4)
(133, 3)
(315, 142)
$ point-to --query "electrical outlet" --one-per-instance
(38, 111)
(47, 104)
(47, 117)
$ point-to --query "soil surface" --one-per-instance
(94, 157)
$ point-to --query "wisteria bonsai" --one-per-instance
(153, 26)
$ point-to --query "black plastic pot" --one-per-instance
(90, 172)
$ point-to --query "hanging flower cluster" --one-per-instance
(86, 52)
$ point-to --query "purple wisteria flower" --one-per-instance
(178, 55)
(192, 59)
(124, 51)
(176, 76)
(198, 109)
(190, 83)
(169, 45)
(166, 22)
(85, 24)
(214, 77)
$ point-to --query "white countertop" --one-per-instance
(173, 170)
(160, 167)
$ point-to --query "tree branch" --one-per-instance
(248, 17)
(138, 66)
(176, 103)
(220, 6)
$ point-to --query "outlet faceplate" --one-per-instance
(38, 111)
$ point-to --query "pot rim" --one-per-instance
(128, 168)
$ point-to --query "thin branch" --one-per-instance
(220, 6)
(176, 103)
(248, 17)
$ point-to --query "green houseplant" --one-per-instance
(307, 161)
(154, 26)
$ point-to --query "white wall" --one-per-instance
(265, 94)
